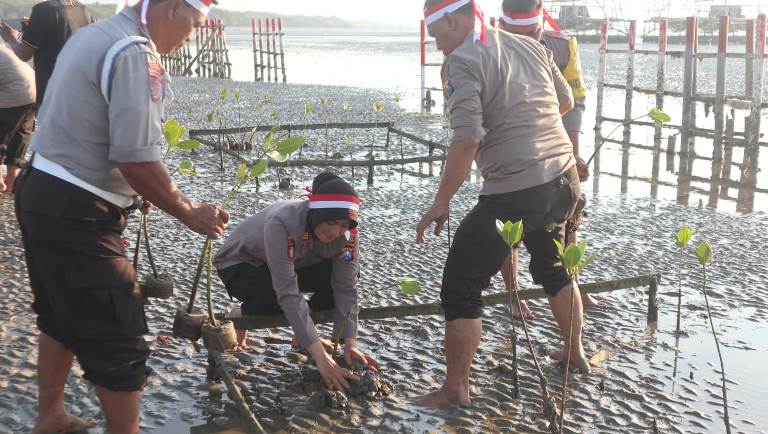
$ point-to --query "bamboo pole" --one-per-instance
(749, 59)
(261, 53)
(683, 180)
(235, 394)
(628, 94)
(275, 54)
(661, 66)
(269, 52)
(750, 164)
(282, 51)
(255, 54)
(599, 101)
(719, 112)
(499, 298)
(725, 178)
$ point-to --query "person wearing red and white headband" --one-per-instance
(97, 150)
(505, 98)
(295, 247)
(529, 18)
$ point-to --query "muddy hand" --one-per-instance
(334, 376)
(207, 219)
(352, 355)
(582, 169)
(437, 214)
(145, 207)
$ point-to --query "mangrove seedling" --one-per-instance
(275, 149)
(323, 114)
(654, 114)
(512, 234)
(308, 109)
(407, 285)
(704, 254)
(572, 257)
(682, 238)
(378, 107)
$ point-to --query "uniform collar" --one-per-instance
(131, 14)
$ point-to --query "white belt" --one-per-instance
(52, 168)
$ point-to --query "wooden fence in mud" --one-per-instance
(211, 58)
(232, 141)
(268, 52)
(724, 137)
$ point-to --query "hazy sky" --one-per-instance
(403, 12)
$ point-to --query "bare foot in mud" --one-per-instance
(578, 362)
(441, 399)
(590, 302)
(65, 423)
(524, 313)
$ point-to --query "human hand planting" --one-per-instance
(206, 219)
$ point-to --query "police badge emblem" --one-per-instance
(156, 81)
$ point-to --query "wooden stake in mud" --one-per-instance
(269, 52)
(725, 178)
(282, 51)
(661, 66)
(750, 58)
(599, 101)
(749, 166)
(261, 53)
(683, 176)
(719, 111)
(671, 148)
(255, 53)
(628, 94)
(653, 307)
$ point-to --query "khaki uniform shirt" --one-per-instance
(277, 237)
(78, 130)
(17, 80)
(507, 94)
(559, 44)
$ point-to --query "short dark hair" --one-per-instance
(466, 9)
(520, 5)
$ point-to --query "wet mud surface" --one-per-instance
(633, 390)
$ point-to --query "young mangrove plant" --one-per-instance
(407, 285)
(682, 238)
(654, 114)
(704, 254)
(512, 234)
(275, 149)
(378, 108)
(348, 138)
(324, 115)
(572, 257)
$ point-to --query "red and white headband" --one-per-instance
(203, 6)
(439, 10)
(340, 201)
(523, 18)
(528, 18)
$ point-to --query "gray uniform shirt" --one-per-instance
(277, 237)
(557, 42)
(78, 130)
(17, 80)
(507, 94)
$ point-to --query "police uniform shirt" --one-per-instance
(79, 130)
(17, 80)
(566, 55)
(507, 94)
(50, 25)
(277, 237)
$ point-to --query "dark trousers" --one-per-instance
(85, 291)
(478, 252)
(253, 287)
(16, 125)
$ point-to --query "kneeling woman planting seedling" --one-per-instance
(302, 246)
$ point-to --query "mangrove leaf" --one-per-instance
(409, 286)
(704, 253)
(659, 116)
(683, 236)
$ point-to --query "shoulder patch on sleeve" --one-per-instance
(448, 88)
(156, 80)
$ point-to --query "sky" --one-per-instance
(403, 12)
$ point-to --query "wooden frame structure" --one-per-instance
(268, 51)
(724, 136)
(211, 57)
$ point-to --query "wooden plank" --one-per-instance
(403, 311)
(719, 112)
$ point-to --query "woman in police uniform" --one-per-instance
(301, 246)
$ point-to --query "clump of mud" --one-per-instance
(325, 399)
(371, 386)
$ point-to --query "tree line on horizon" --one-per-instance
(13, 10)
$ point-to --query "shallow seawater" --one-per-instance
(632, 391)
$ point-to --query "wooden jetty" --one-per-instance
(210, 58)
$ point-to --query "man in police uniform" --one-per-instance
(505, 97)
(528, 18)
(98, 145)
